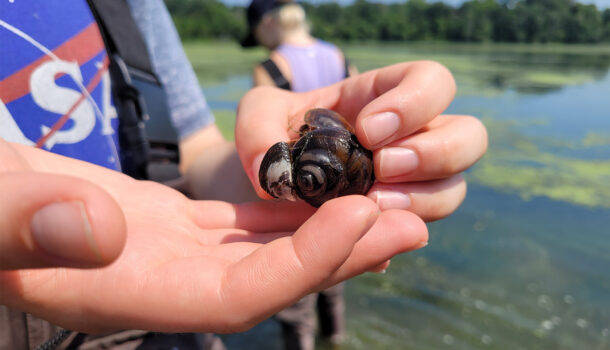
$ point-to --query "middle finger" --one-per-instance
(447, 146)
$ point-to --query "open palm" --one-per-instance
(186, 265)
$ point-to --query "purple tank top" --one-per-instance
(313, 66)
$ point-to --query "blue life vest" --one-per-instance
(55, 88)
(76, 79)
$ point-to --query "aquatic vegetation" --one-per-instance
(596, 139)
(515, 163)
(557, 78)
(487, 70)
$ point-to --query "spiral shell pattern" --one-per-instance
(327, 161)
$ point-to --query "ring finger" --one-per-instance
(430, 200)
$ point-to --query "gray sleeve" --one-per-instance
(188, 107)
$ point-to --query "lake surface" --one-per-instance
(525, 261)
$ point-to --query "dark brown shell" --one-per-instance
(326, 162)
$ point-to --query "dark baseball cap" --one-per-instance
(254, 14)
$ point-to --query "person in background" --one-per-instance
(299, 62)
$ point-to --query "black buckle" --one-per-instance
(135, 148)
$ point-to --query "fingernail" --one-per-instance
(63, 230)
(392, 200)
(256, 165)
(394, 161)
(379, 127)
(383, 272)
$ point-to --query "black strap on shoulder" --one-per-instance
(149, 142)
(122, 34)
(346, 63)
(281, 81)
(275, 74)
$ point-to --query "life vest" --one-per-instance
(85, 89)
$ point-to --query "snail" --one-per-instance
(327, 161)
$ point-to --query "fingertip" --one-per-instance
(253, 174)
(394, 232)
(378, 127)
(336, 227)
(55, 220)
(381, 268)
(353, 207)
(386, 198)
(405, 97)
(410, 229)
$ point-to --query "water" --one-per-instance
(524, 263)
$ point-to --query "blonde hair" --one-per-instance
(291, 17)
(288, 18)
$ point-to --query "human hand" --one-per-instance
(418, 153)
(186, 266)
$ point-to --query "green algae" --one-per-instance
(556, 78)
(487, 70)
(596, 139)
(515, 163)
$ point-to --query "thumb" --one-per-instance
(49, 220)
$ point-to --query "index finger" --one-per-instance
(262, 120)
(389, 103)
(259, 217)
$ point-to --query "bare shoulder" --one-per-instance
(261, 77)
(282, 64)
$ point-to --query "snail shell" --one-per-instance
(327, 161)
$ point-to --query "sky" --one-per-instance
(600, 3)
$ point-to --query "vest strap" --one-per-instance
(149, 142)
(275, 74)
(346, 63)
(280, 80)
(121, 33)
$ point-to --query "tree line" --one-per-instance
(524, 21)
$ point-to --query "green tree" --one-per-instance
(393, 26)
(418, 25)
(324, 18)
(205, 19)
(584, 25)
(475, 20)
(438, 16)
(605, 35)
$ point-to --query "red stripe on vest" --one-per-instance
(80, 48)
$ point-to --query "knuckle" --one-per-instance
(450, 164)
(452, 192)
(478, 132)
(434, 67)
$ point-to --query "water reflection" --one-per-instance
(501, 273)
